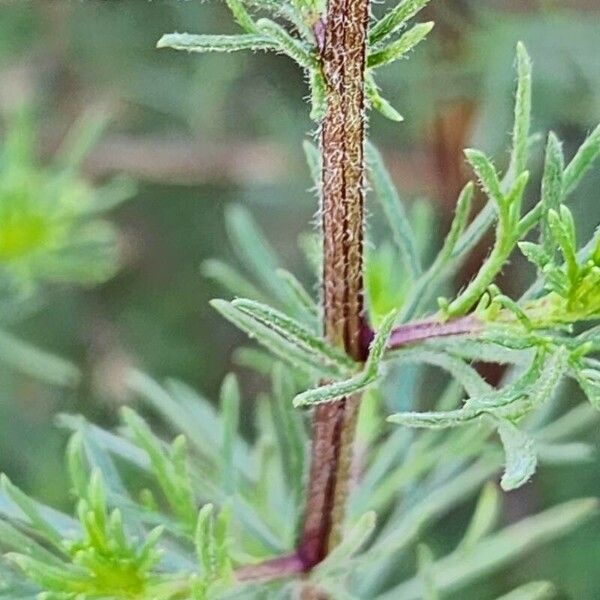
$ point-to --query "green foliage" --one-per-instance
(51, 231)
(192, 518)
(50, 228)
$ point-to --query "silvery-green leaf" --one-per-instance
(295, 334)
(426, 567)
(253, 250)
(504, 547)
(242, 16)
(568, 453)
(318, 94)
(299, 297)
(393, 209)
(486, 174)
(35, 362)
(395, 19)
(468, 377)
(424, 286)
(536, 590)
(230, 279)
(230, 416)
(300, 352)
(552, 187)
(31, 511)
(582, 161)
(485, 517)
(216, 43)
(520, 456)
(368, 376)
(379, 103)
(399, 48)
(522, 121)
(313, 160)
(293, 47)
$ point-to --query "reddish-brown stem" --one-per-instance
(342, 146)
(411, 333)
(275, 568)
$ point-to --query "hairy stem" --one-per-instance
(342, 145)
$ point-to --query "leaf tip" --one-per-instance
(164, 42)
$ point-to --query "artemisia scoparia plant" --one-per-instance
(337, 511)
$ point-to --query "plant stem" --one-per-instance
(276, 568)
(342, 146)
(411, 333)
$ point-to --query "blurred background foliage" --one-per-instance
(200, 134)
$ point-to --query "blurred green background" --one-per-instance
(201, 132)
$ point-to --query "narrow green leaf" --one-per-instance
(424, 287)
(552, 186)
(193, 416)
(253, 250)
(216, 43)
(230, 414)
(536, 254)
(112, 194)
(175, 484)
(486, 174)
(466, 375)
(494, 552)
(536, 590)
(537, 387)
(318, 94)
(405, 530)
(50, 577)
(522, 123)
(480, 350)
(369, 374)
(205, 542)
(582, 161)
(395, 19)
(313, 160)
(293, 47)
(35, 362)
(299, 297)
(290, 430)
(399, 48)
(434, 420)
(30, 510)
(564, 454)
(76, 464)
(230, 279)
(253, 358)
(378, 103)
(242, 16)
(425, 562)
(81, 138)
(295, 333)
(485, 517)
(276, 341)
(13, 539)
(475, 231)
(521, 458)
(393, 209)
